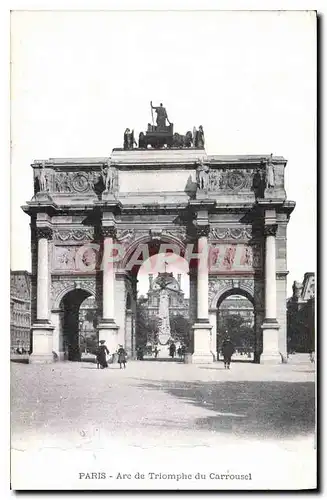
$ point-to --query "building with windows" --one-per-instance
(20, 310)
(238, 305)
(301, 315)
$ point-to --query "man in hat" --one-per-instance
(228, 351)
(101, 354)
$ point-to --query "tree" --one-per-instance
(180, 328)
(235, 325)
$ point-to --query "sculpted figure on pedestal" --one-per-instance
(270, 174)
(43, 180)
(108, 177)
(202, 175)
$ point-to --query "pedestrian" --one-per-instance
(179, 352)
(172, 350)
(183, 348)
(228, 350)
(156, 351)
(102, 354)
(139, 353)
(121, 356)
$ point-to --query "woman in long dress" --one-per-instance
(102, 354)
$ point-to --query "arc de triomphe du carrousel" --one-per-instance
(95, 220)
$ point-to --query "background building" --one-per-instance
(301, 315)
(238, 305)
(178, 304)
(20, 310)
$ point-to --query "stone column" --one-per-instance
(213, 322)
(107, 328)
(270, 326)
(202, 328)
(129, 333)
(108, 277)
(42, 329)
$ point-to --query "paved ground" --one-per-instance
(164, 417)
(149, 401)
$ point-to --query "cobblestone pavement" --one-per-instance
(77, 405)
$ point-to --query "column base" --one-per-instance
(270, 358)
(108, 331)
(42, 332)
(42, 359)
(270, 354)
(202, 343)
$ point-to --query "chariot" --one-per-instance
(158, 137)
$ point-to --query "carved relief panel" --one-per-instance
(231, 179)
(75, 258)
(226, 257)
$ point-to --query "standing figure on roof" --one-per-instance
(129, 140)
(161, 115)
(198, 137)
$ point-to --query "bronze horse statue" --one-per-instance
(183, 141)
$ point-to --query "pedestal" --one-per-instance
(108, 331)
(270, 354)
(42, 343)
(202, 344)
(108, 196)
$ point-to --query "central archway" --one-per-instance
(162, 309)
(236, 319)
(72, 323)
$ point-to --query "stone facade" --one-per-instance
(153, 198)
(20, 310)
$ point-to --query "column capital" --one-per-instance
(108, 231)
(44, 232)
(202, 230)
(270, 229)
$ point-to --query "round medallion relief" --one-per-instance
(80, 183)
(236, 180)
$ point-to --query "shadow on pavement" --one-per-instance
(262, 409)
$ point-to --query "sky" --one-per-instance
(80, 78)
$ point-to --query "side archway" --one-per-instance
(66, 318)
(60, 288)
(236, 318)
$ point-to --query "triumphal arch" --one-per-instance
(94, 220)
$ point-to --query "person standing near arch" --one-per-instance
(122, 355)
(228, 351)
(102, 354)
